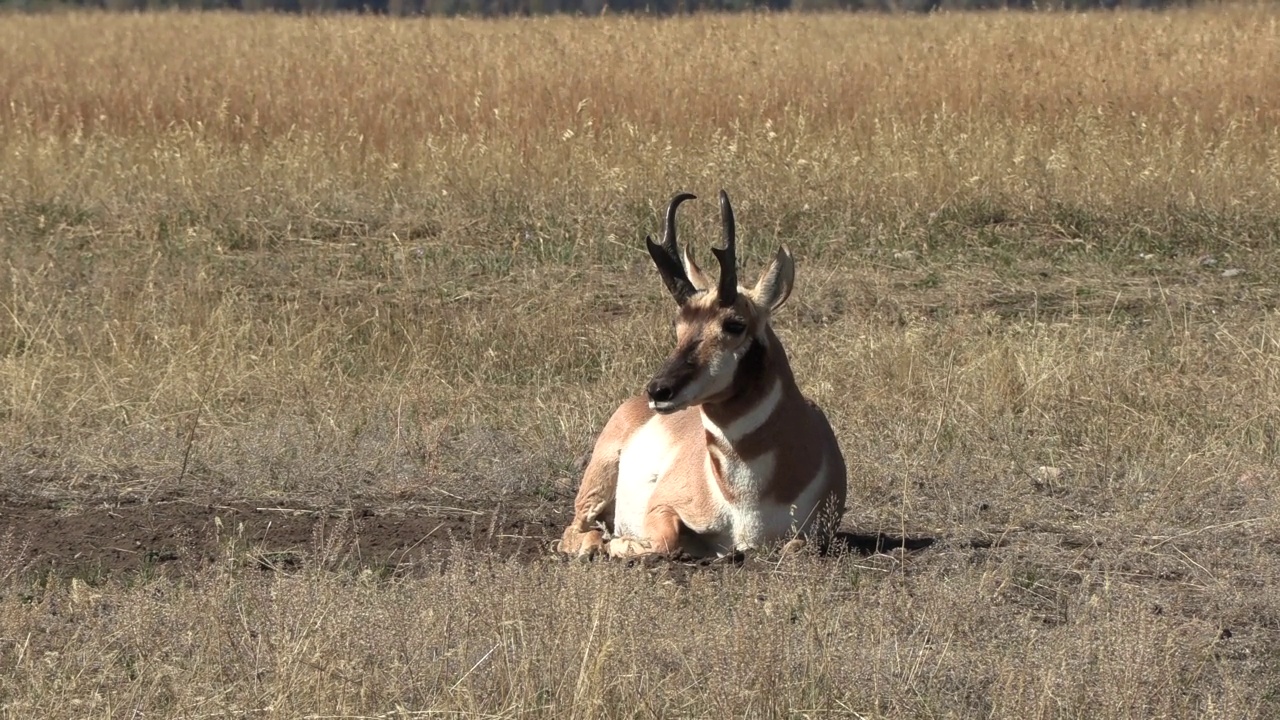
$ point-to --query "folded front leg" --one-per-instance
(593, 506)
(662, 536)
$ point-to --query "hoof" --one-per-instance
(583, 545)
(626, 548)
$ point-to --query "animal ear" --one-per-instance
(774, 286)
(694, 273)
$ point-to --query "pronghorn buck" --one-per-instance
(722, 452)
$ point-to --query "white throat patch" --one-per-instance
(748, 422)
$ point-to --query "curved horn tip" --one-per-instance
(726, 216)
(675, 203)
(669, 231)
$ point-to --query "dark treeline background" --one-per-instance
(587, 7)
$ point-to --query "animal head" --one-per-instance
(721, 328)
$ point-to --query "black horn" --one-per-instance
(669, 231)
(667, 255)
(728, 256)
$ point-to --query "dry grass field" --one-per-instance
(306, 322)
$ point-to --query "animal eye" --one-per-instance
(734, 327)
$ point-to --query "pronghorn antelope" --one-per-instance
(722, 452)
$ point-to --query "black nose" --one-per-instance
(660, 391)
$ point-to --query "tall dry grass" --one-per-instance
(214, 215)
(490, 639)
(340, 260)
(546, 122)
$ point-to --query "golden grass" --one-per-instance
(479, 639)
(872, 113)
(363, 260)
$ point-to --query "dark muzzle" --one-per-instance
(666, 385)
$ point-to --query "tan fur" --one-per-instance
(702, 491)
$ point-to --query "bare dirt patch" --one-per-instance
(177, 536)
(180, 536)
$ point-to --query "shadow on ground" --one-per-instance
(872, 543)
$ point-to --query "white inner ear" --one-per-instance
(774, 286)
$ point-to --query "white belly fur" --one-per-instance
(759, 522)
(644, 460)
(804, 512)
(748, 523)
